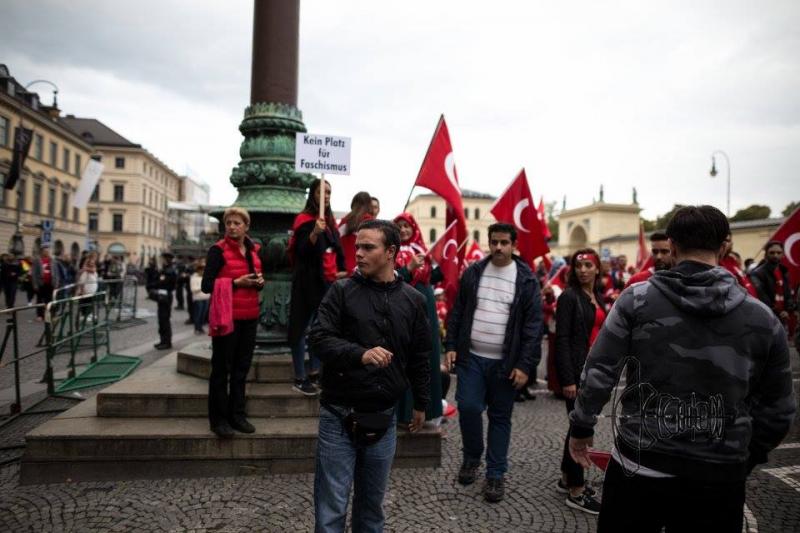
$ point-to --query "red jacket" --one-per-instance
(245, 300)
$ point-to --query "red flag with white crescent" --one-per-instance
(789, 235)
(474, 253)
(445, 253)
(543, 220)
(642, 252)
(515, 206)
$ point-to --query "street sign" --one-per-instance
(47, 231)
(324, 154)
(47, 225)
(605, 254)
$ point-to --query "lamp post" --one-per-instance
(713, 173)
(17, 241)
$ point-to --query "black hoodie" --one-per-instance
(708, 385)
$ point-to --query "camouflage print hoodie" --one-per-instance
(708, 390)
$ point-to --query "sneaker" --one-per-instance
(314, 379)
(494, 490)
(468, 473)
(563, 489)
(222, 430)
(584, 502)
(305, 387)
(242, 425)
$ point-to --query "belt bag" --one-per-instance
(364, 429)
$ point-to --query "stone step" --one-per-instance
(159, 391)
(77, 445)
(195, 360)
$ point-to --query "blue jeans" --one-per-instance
(200, 313)
(482, 383)
(299, 355)
(340, 466)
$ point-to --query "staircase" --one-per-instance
(154, 424)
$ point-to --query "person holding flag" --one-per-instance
(773, 283)
(494, 335)
(413, 265)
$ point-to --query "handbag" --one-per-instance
(363, 429)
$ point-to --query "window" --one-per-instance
(64, 205)
(51, 201)
(95, 193)
(119, 193)
(65, 162)
(119, 162)
(38, 147)
(477, 215)
(476, 236)
(4, 134)
(433, 235)
(117, 222)
(76, 214)
(77, 164)
(433, 211)
(466, 212)
(93, 222)
(53, 153)
(37, 198)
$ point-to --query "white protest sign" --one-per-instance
(91, 174)
(324, 154)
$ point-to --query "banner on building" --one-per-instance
(89, 178)
(22, 143)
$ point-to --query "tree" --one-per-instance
(789, 209)
(649, 225)
(752, 212)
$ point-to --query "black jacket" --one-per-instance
(522, 347)
(357, 314)
(763, 278)
(308, 283)
(574, 323)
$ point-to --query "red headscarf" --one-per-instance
(413, 246)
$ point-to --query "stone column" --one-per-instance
(269, 188)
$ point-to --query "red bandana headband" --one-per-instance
(589, 257)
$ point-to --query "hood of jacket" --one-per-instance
(710, 292)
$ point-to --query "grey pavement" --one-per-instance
(417, 500)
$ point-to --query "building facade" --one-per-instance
(127, 213)
(430, 212)
(592, 225)
(50, 175)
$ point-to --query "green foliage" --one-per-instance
(789, 209)
(662, 221)
(752, 212)
(649, 225)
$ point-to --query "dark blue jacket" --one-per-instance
(522, 347)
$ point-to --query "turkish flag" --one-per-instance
(515, 206)
(543, 220)
(474, 253)
(642, 253)
(789, 235)
(445, 253)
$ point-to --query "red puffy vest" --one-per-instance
(245, 301)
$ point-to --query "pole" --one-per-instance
(322, 197)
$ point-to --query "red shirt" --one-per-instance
(47, 273)
(644, 275)
(599, 318)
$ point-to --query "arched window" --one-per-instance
(466, 212)
(476, 236)
(477, 215)
(433, 235)
(433, 211)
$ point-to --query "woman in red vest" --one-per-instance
(317, 261)
(233, 270)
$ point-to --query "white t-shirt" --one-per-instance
(496, 290)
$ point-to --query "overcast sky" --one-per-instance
(579, 93)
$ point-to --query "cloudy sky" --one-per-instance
(580, 93)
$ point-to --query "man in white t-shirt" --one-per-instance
(494, 334)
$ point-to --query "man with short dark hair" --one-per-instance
(662, 258)
(375, 206)
(708, 390)
(494, 334)
(771, 280)
(373, 338)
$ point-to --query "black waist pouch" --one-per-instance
(364, 429)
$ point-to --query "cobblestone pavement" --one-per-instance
(418, 499)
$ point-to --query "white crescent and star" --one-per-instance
(451, 242)
(518, 209)
(787, 247)
(450, 170)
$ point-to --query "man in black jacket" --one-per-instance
(708, 390)
(165, 286)
(494, 335)
(772, 283)
(373, 338)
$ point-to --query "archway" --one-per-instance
(577, 238)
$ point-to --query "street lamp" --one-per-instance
(17, 247)
(713, 173)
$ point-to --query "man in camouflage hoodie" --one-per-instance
(708, 390)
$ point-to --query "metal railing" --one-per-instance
(10, 317)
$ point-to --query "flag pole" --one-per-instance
(322, 196)
(421, 165)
